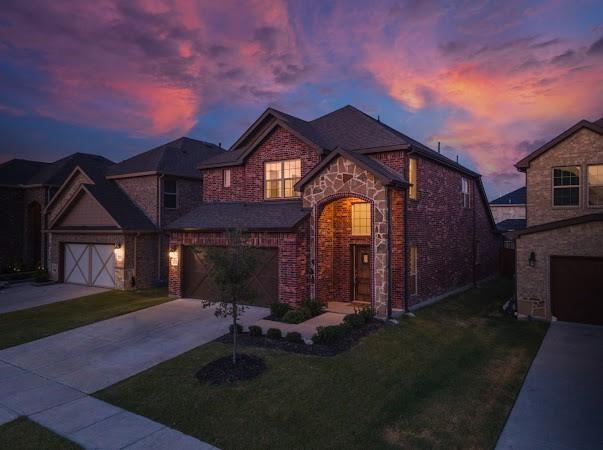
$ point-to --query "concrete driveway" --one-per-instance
(24, 296)
(560, 405)
(95, 356)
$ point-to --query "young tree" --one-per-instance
(233, 267)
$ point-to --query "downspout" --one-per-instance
(389, 252)
(474, 246)
(405, 265)
(160, 240)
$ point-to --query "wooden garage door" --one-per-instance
(89, 264)
(199, 283)
(577, 289)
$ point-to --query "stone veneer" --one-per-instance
(343, 178)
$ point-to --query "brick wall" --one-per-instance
(292, 258)
(143, 191)
(190, 196)
(398, 257)
(582, 148)
(248, 180)
(11, 226)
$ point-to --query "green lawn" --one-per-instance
(27, 325)
(24, 434)
(445, 379)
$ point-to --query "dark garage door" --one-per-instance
(577, 289)
(198, 281)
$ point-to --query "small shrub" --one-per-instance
(255, 330)
(239, 328)
(41, 276)
(296, 316)
(274, 333)
(313, 305)
(330, 335)
(295, 337)
(354, 320)
(279, 309)
(367, 313)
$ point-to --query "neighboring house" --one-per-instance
(25, 189)
(560, 253)
(343, 208)
(509, 211)
(106, 223)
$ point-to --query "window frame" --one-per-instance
(166, 193)
(588, 186)
(226, 178)
(282, 180)
(413, 260)
(370, 218)
(413, 189)
(465, 196)
(579, 186)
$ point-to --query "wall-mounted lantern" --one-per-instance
(118, 251)
(532, 259)
(173, 254)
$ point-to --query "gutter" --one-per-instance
(389, 253)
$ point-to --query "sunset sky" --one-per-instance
(490, 80)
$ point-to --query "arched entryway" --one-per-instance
(344, 249)
(34, 234)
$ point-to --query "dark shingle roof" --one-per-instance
(17, 172)
(28, 173)
(348, 128)
(517, 197)
(180, 157)
(273, 216)
(597, 127)
(595, 217)
(511, 225)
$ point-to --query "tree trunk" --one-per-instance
(234, 332)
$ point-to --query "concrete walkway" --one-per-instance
(25, 296)
(560, 405)
(47, 380)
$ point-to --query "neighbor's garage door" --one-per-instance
(198, 280)
(89, 264)
(577, 289)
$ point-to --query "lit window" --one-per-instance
(170, 194)
(595, 185)
(465, 194)
(412, 178)
(226, 178)
(361, 219)
(412, 270)
(566, 186)
(280, 177)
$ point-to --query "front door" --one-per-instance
(361, 273)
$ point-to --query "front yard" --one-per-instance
(22, 433)
(447, 378)
(26, 325)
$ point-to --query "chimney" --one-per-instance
(439, 147)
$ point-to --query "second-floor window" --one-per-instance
(566, 186)
(595, 185)
(465, 193)
(226, 178)
(412, 178)
(280, 177)
(170, 194)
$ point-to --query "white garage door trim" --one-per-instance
(89, 264)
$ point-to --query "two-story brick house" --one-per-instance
(344, 208)
(26, 187)
(559, 256)
(106, 223)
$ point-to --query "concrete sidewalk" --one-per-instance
(560, 405)
(25, 296)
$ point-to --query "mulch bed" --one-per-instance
(222, 370)
(351, 339)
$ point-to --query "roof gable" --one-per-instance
(596, 127)
(85, 211)
(516, 197)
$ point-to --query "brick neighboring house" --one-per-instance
(559, 256)
(509, 210)
(26, 187)
(106, 223)
(344, 208)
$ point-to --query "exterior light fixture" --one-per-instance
(532, 259)
(173, 254)
(118, 251)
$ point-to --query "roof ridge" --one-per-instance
(348, 106)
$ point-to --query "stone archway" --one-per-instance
(343, 178)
